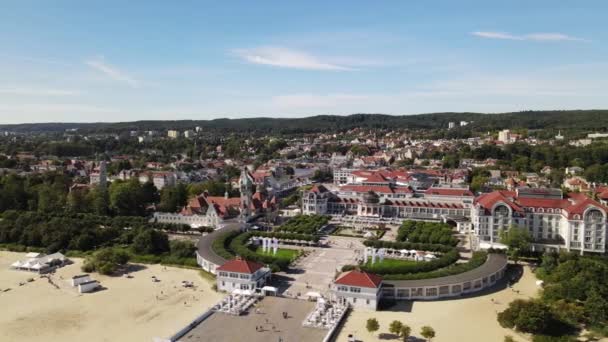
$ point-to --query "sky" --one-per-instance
(92, 61)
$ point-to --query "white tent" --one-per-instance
(270, 289)
(404, 251)
(237, 291)
(429, 256)
(313, 294)
(16, 264)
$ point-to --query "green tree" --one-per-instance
(150, 241)
(427, 332)
(405, 332)
(395, 327)
(172, 198)
(509, 338)
(372, 325)
(596, 307)
(478, 183)
(517, 239)
(106, 261)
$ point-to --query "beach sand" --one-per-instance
(125, 310)
(466, 319)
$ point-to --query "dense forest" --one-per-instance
(566, 120)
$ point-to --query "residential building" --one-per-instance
(242, 275)
(173, 134)
(359, 289)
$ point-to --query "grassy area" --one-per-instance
(282, 253)
(390, 262)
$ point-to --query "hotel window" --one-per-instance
(431, 292)
(355, 289)
(342, 288)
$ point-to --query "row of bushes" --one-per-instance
(478, 259)
(287, 236)
(221, 243)
(429, 247)
(304, 224)
(427, 232)
(445, 260)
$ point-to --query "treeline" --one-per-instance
(80, 232)
(83, 234)
(573, 298)
(565, 120)
(53, 192)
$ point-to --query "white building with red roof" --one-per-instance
(212, 211)
(240, 274)
(572, 222)
(387, 203)
(357, 288)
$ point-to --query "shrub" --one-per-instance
(304, 224)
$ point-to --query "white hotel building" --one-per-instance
(573, 222)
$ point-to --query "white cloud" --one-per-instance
(287, 58)
(37, 92)
(540, 37)
(111, 71)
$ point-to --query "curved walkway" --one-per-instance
(205, 255)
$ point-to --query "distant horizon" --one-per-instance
(295, 117)
(113, 61)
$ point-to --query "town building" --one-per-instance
(239, 274)
(358, 289)
(212, 211)
(555, 221)
(386, 203)
(99, 176)
(173, 134)
(366, 290)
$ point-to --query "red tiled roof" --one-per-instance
(382, 189)
(359, 279)
(448, 192)
(240, 266)
(575, 204)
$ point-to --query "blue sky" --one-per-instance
(153, 60)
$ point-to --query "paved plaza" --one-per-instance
(221, 327)
(316, 271)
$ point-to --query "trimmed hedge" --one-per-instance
(304, 224)
(287, 236)
(408, 245)
(221, 243)
(478, 259)
(427, 232)
(445, 260)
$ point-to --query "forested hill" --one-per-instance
(593, 120)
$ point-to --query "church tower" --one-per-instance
(246, 188)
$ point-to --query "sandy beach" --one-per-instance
(468, 319)
(134, 309)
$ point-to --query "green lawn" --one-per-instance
(390, 262)
(282, 253)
